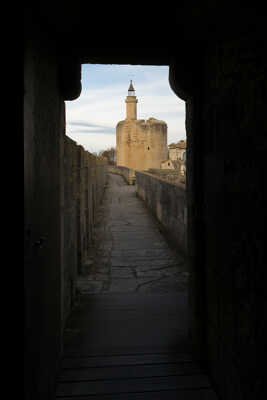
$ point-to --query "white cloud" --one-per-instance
(98, 110)
(94, 143)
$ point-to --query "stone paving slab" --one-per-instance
(130, 252)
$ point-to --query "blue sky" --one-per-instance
(92, 118)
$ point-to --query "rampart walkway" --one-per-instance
(131, 254)
(128, 336)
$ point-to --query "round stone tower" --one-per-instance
(140, 144)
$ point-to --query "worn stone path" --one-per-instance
(130, 252)
(127, 337)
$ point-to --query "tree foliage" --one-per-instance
(110, 154)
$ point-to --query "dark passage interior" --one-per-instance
(218, 63)
(135, 292)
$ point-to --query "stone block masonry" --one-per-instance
(167, 201)
(170, 175)
(84, 182)
(63, 185)
(140, 144)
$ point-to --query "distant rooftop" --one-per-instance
(180, 145)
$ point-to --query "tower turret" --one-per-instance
(131, 101)
(140, 144)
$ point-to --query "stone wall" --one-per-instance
(172, 176)
(226, 191)
(127, 173)
(141, 144)
(84, 183)
(176, 153)
(70, 264)
(233, 129)
(63, 185)
(44, 127)
(167, 202)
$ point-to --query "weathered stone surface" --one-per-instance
(122, 273)
(130, 252)
(164, 285)
(169, 175)
(140, 144)
(226, 195)
(83, 186)
(44, 125)
(89, 285)
(167, 201)
(127, 173)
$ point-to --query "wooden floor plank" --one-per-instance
(129, 371)
(132, 385)
(120, 360)
(201, 394)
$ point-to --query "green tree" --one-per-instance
(110, 154)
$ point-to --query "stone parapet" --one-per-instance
(167, 201)
(84, 183)
(127, 173)
(172, 176)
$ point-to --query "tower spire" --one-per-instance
(131, 85)
(131, 91)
